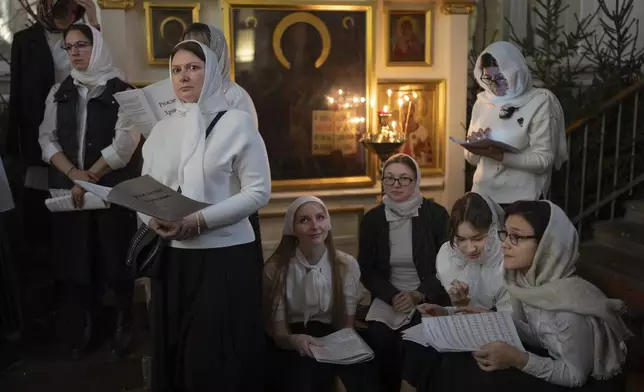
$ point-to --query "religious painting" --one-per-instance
(165, 24)
(409, 38)
(308, 70)
(418, 111)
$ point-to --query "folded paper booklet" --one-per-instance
(470, 332)
(385, 313)
(61, 201)
(416, 334)
(344, 347)
(485, 143)
(147, 196)
(144, 107)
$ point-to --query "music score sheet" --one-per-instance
(343, 347)
(469, 332)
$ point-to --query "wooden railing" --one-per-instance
(606, 159)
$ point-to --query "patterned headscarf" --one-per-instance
(46, 16)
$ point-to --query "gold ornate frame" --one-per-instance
(148, 7)
(369, 178)
(429, 37)
(437, 89)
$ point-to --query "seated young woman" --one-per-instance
(470, 268)
(399, 240)
(311, 291)
(574, 335)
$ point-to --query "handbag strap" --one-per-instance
(214, 122)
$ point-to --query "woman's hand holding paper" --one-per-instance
(178, 230)
(301, 344)
(432, 310)
(405, 301)
(498, 356)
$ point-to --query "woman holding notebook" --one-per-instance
(512, 111)
(399, 240)
(82, 138)
(311, 290)
(470, 268)
(574, 335)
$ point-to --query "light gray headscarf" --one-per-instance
(397, 211)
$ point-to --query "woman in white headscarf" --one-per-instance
(206, 294)
(574, 335)
(399, 240)
(215, 39)
(510, 110)
(470, 268)
(311, 290)
(83, 138)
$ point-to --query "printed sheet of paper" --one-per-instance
(485, 143)
(385, 313)
(469, 332)
(61, 201)
(161, 98)
(137, 110)
(342, 347)
(147, 196)
(416, 334)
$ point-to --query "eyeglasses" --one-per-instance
(80, 45)
(514, 238)
(493, 80)
(403, 181)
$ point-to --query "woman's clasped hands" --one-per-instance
(78, 192)
(406, 301)
(188, 227)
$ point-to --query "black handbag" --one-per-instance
(146, 247)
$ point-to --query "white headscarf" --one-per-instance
(520, 91)
(551, 284)
(219, 46)
(312, 288)
(396, 211)
(197, 117)
(100, 68)
(493, 250)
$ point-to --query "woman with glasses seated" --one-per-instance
(470, 268)
(510, 110)
(83, 138)
(573, 335)
(399, 240)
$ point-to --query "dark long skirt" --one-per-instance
(460, 372)
(10, 315)
(292, 372)
(417, 358)
(91, 246)
(388, 347)
(206, 321)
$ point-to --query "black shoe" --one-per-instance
(84, 346)
(122, 336)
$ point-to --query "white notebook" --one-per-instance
(344, 347)
(469, 332)
(385, 313)
(485, 143)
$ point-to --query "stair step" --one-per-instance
(617, 274)
(634, 211)
(625, 236)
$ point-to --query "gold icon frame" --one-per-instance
(149, 8)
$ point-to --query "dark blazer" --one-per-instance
(429, 232)
(32, 75)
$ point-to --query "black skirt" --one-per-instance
(91, 246)
(460, 372)
(206, 321)
(291, 372)
(10, 317)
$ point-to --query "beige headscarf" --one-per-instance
(551, 284)
(398, 211)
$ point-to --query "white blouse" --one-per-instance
(485, 279)
(568, 337)
(522, 176)
(308, 297)
(236, 174)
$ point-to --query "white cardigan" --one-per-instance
(236, 174)
(522, 176)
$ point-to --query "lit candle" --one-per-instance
(389, 92)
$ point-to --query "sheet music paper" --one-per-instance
(61, 201)
(469, 332)
(147, 196)
(342, 347)
(385, 313)
(416, 334)
(484, 143)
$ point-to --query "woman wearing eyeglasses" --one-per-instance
(399, 240)
(573, 335)
(512, 111)
(82, 138)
